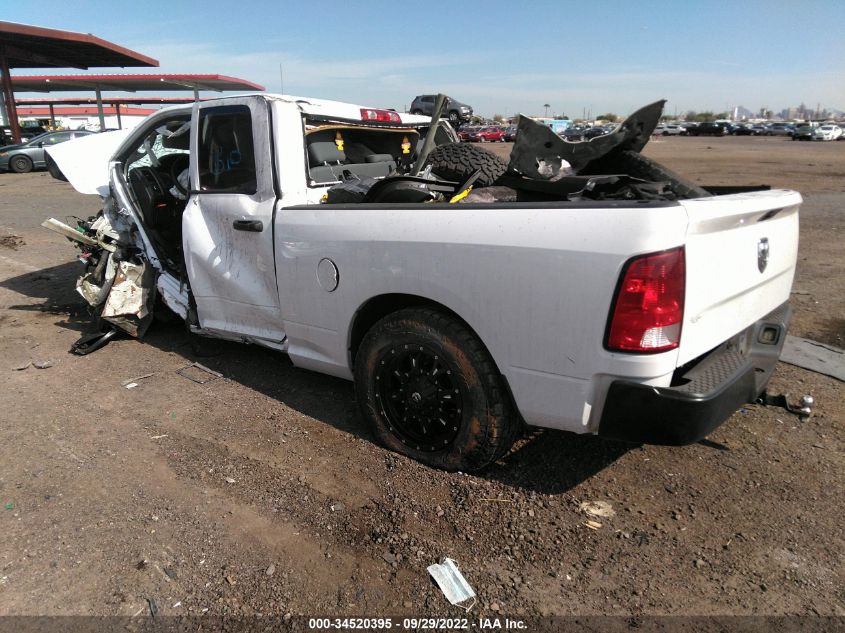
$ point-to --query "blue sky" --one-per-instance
(501, 57)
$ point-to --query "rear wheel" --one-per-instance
(454, 117)
(417, 111)
(20, 164)
(431, 391)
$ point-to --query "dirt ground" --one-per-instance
(263, 492)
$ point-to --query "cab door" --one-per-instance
(227, 227)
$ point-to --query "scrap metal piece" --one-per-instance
(452, 583)
(186, 372)
(428, 142)
(71, 233)
(815, 356)
(92, 342)
(540, 153)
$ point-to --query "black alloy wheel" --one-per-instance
(419, 397)
(431, 391)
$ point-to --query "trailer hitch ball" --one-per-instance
(804, 409)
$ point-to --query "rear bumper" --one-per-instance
(704, 393)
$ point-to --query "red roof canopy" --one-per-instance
(83, 111)
(130, 83)
(46, 101)
(37, 47)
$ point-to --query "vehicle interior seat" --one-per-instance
(327, 162)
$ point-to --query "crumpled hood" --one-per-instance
(85, 161)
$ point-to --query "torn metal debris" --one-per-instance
(198, 373)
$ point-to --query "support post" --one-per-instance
(196, 94)
(52, 117)
(100, 109)
(9, 96)
(117, 111)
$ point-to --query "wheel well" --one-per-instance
(379, 307)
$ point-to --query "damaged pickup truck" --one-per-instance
(579, 286)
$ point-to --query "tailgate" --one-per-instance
(740, 260)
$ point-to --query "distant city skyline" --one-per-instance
(497, 56)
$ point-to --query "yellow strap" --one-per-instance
(461, 196)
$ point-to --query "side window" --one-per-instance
(428, 99)
(226, 154)
(53, 139)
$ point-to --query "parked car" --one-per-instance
(743, 130)
(488, 134)
(455, 111)
(760, 130)
(803, 132)
(593, 132)
(673, 129)
(841, 136)
(827, 132)
(466, 131)
(648, 320)
(30, 155)
(781, 129)
(26, 134)
(709, 128)
(510, 133)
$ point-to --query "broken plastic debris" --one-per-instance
(131, 385)
(597, 509)
(42, 364)
(9, 506)
(452, 583)
(23, 366)
(593, 525)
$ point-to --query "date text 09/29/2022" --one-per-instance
(416, 623)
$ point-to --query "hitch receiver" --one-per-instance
(804, 409)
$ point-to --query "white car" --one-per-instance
(827, 132)
(593, 303)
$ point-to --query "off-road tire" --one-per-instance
(487, 424)
(458, 161)
(20, 164)
(639, 166)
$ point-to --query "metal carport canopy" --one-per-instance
(130, 83)
(27, 46)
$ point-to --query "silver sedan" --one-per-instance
(31, 155)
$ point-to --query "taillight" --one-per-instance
(648, 309)
(386, 116)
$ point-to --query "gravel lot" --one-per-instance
(263, 492)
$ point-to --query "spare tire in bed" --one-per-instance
(459, 161)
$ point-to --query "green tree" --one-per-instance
(608, 116)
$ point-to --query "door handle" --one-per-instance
(255, 226)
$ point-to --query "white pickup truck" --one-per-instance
(646, 318)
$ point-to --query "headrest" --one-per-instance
(379, 158)
(320, 152)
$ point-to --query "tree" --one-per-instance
(498, 117)
(608, 116)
